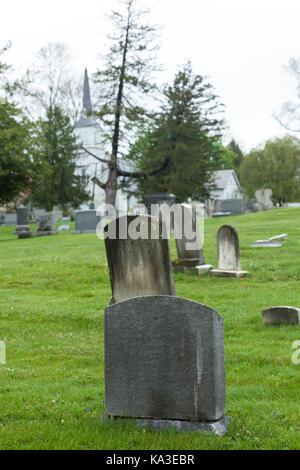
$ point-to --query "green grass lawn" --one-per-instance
(53, 291)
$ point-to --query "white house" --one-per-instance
(88, 133)
(227, 185)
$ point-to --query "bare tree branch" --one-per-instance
(102, 160)
(98, 182)
(143, 174)
(284, 125)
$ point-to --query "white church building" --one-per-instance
(88, 133)
(227, 185)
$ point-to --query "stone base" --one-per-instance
(227, 273)
(22, 235)
(192, 265)
(219, 428)
(23, 231)
(46, 233)
(203, 268)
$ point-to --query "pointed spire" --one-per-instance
(86, 104)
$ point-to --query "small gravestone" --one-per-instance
(281, 316)
(138, 264)
(263, 197)
(22, 215)
(2, 219)
(229, 264)
(46, 224)
(188, 242)
(22, 227)
(164, 364)
(86, 221)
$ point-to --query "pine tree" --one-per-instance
(56, 183)
(123, 84)
(187, 131)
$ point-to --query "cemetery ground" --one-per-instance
(53, 291)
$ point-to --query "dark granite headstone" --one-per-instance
(281, 315)
(86, 221)
(234, 206)
(139, 266)
(22, 215)
(164, 359)
(158, 198)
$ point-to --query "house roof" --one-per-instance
(221, 178)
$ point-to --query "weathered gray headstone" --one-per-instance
(10, 219)
(22, 215)
(164, 360)
(86, 221)
(188, 242)
(229, 264)
(281, 315)
(46, 224)
(263, 197)
(22, 227)
(234, 206)
(138, 266)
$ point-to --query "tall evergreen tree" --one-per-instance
(187, 132)
(56, 154)
(124, 83)
(233, 146)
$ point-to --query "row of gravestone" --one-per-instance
(164, 355)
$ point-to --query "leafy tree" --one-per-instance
(124, 82)
(187, 132)
(15, 162)
(56, 154)
(275, 166)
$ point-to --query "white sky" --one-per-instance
(241, 45)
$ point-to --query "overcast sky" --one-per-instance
(241, 45)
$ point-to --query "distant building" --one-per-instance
(88, 132)
(227, 185)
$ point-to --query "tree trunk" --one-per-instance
(111, 187)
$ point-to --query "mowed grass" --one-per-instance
(53, 291)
